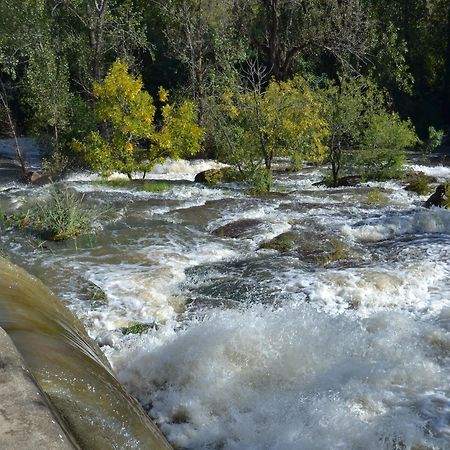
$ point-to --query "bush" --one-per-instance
(382, 154)
(61, 216)
(420, 185)
(434, 140)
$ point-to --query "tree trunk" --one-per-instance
(279, 56)
(12, 129)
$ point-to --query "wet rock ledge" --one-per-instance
(26, 419)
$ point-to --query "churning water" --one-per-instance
(248, 348)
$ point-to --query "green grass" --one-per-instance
(113, 183)
(376, 198)
(154, 187)
(146, 186)
(60, 216)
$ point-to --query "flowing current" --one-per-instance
(250, 348)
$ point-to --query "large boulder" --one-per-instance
(241, 229)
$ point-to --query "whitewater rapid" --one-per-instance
(252, 349)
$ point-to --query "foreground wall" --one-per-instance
(26, 420)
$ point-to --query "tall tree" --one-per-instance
(284, 30)
(200, 34)
(97, 32)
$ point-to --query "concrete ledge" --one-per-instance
(26, 420)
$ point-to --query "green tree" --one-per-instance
(201, 35)
(260, 124)
(133, 141)
(282, 31)
(47, 94)
(97, 32)
(366, 138)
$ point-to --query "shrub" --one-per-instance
(434, 140)
(55, 165)
(61, 216)
(376, 198)
(420, 185)
(381, 155)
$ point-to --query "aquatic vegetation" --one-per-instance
(146, 186)
(138, 328)
(60, 216)
(376, 198)
(154, 187)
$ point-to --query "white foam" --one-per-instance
(440, 172)
(289, 379)
(182, 169)
(408, 286)
(146, 291)
(435, 220)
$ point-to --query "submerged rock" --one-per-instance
(243, 229)
(285, 242)
(95, 294)
(316, 248)
(38, 178)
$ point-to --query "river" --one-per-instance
(249, 348)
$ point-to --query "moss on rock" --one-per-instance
(216, 176)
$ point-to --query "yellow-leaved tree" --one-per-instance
(258, 125)
(130, 140)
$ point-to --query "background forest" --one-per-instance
(122, 84)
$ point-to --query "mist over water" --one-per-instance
(253, 349)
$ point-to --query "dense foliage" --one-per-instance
(257, 125)
(366, 138)
(131, 141)
(370, 65)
